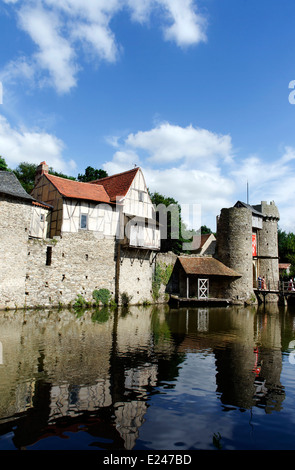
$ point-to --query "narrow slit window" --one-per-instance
(48, 255)
(83, 221)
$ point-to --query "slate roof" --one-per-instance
(248, 206)
(206, 266)
(78, 190)
(117, 185)
(10, 185)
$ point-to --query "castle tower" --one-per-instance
(247, 242)
(234, 249)
(268, 253)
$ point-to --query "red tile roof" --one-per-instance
(117, 185)
(284, 265)
(77, 190)
(41, 204)
(206, 266)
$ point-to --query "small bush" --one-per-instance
(80, 302)
(101, 296)
(125, 299)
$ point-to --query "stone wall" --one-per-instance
(61, 268)
(15, 220)
(78, 263)
(136, 274)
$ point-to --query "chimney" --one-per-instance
(42, 169)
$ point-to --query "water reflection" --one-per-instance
(90, 379)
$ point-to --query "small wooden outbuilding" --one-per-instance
(203, 277)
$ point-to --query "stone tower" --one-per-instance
(237, 229)
(234, 249)
(268, 253)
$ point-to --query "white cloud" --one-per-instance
(54, 53)
(197, 166)
(169, 143)
(180, 162)
(187, 26)
(59, 28)
(22, 145)
(271, 180)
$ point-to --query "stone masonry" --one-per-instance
(61, 268)
(15, 223)
(234, 249)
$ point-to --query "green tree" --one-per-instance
(286, 245)
(92, 174)
(3, 164)
(176, 233)
(205, 230)
(26, 172)
(51, 171)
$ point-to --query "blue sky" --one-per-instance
(196, 92)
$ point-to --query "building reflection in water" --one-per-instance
(65, 373)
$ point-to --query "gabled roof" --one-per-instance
(117, 185)
(199, 241)
(206, 266)
(10, 185)
(77, 190)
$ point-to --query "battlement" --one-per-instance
(270, 211)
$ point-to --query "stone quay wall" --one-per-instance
(60, 269)
(15, 220)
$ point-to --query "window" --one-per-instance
(83, 221)
(48, 255)
(42, 217)
(140, 196)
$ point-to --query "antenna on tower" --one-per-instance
(247, 192)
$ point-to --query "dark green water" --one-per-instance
(150, 378)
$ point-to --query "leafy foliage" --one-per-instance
(3, 164)
(161, 276)
(286, 244)
(177, 232)
(125, 299)
(25, 173)
(92, 174)
(102, 296)
(80, 302)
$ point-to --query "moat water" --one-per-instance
(150, 378)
